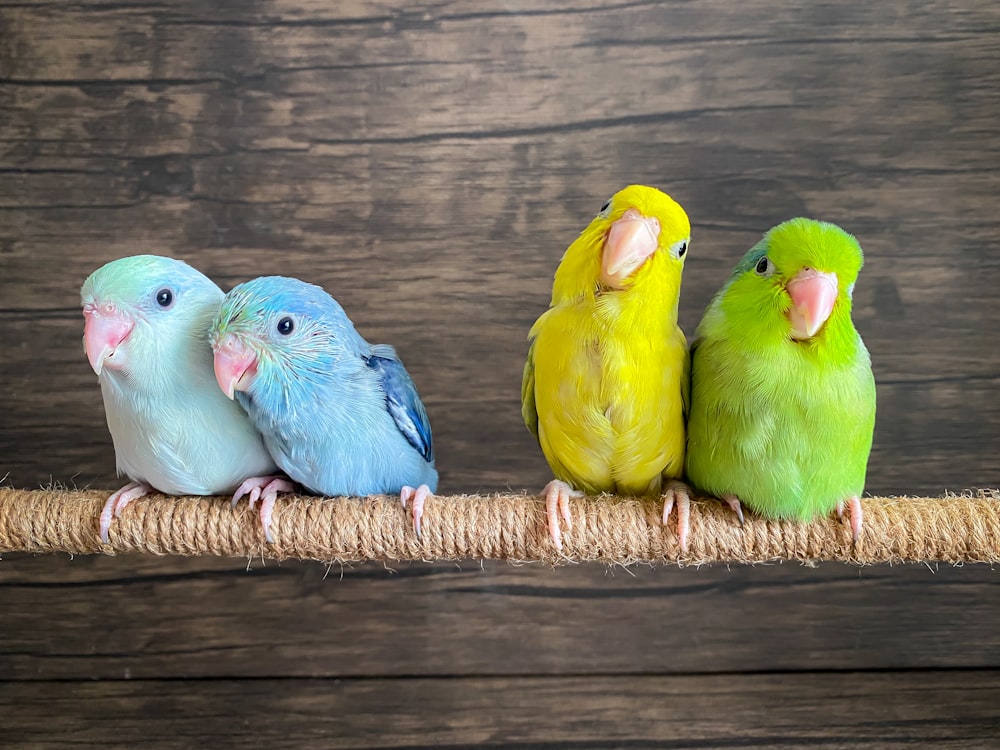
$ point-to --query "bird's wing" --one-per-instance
(529, 411)
(686, 379)
(402, 400)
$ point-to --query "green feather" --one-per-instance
(784, 425)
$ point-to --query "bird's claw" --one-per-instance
(417, 497)
(254, 497)
(557, 495)
(265, 490)
(734, 502)
(117, 502)
(857, 515)
(677, 492)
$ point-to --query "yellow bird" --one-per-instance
(606, 381)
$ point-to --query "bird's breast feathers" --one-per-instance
(608, 400)
(192, 444)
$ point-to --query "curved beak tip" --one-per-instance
(225, 379)
(96, 358)
(813, 295)
(234, 366)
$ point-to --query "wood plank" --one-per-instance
(316, 136)
(142, 617)
(890, 711)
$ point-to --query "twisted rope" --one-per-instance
(952, 529)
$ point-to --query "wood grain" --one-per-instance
(428, 165)
(148, 618)
(893, 711)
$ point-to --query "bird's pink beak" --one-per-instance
(813, 294)
(630, 242)
(105, 329)
(235, 365)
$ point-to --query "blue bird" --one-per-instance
(146, 336)
(340, 416)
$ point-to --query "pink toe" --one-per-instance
(668, 506)
(857, 517)
(107, 513)
(419, 497)
(564, 509)
(552, 512)
(683, 521)
(277, 484)
(116, 504)
(254, 497)
(266, 513)
(734, 502)
(418, 513)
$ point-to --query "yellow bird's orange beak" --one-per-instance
(235, 365)
(813, 295)
(104, 331)
(631, 240)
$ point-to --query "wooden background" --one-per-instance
(428, 165)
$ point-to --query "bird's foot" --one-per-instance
(557, 495)
(266, 490)
(857, 515)
(734, 502)
(257, 487)
(417, 497)
(117, 502)
(677, 492)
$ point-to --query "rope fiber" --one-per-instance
(953, 529)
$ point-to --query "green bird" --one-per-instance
(782, 393)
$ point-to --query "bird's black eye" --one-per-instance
(164, 297)
(605, 208)
(763, 266)
(682, 249)
(286, 325)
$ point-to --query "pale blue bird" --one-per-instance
(146, 336)
(339, 415)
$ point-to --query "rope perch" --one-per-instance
(952, 529)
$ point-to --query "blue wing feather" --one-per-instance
(402, 400)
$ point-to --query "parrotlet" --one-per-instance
(782, 394)
(605, 382)
(146, 336)
(339, 415)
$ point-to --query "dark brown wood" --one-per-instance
(428, 166)
(150, 618)
(893, 711)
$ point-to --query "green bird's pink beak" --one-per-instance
(235, 365)
(631, 240)
(104, 331)
(813, 295)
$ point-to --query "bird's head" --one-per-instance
(274, 332)
(639, 232)
(143, 312)
(797, 279)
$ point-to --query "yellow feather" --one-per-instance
(605, 368)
